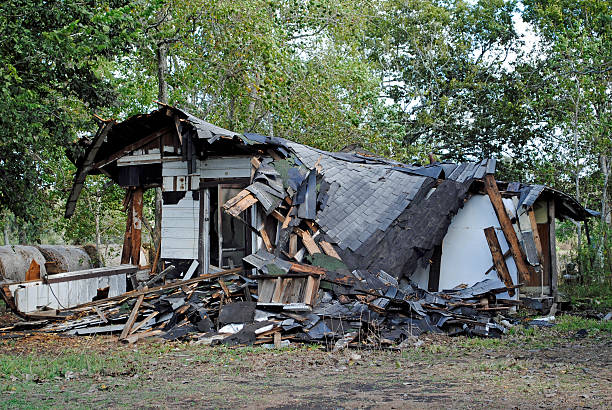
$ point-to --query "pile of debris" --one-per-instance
(236, 308)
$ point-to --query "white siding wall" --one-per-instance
(32, 296)
(465, 252)
(180, 222)
(180, 229)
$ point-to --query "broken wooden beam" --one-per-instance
(507, 228)
(498, 259)
(132, 318)
(329, 250)
(309, 243)
(240, 206)
(309, 269)
(536, 234)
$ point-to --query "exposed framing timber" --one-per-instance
(90, 155)
(554, 273)
(504, 220)
(498, 259)
(138, 144)
(136, 236)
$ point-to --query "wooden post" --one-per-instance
(126, 253)
(204, 232)
(553, 250)
(136, 225)
(506, 226)
(498, 259)
(536, 235)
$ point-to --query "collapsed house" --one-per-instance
(346, 235)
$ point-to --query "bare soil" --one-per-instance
(543, 369)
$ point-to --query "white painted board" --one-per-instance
(180, 229)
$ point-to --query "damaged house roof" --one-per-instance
(340, 238)
(379, 213)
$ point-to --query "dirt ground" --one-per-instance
(534, 368)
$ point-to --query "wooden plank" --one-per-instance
(309, 269)
(156, 259)
(498, 259)
(279, 217)
(137, 336)
(278, 290)
(329, 250)
(237, 198)
(312, 287)
(287, 289)
(132, 318)
(506, 225)
(265, 289)
(536, 234)
(137, 202)
(33, 272)
(309, 243)
(99, 312)
(241, 205)
(277, 340)
(492, 268)
(292, 245)
(191, 270)
(314, 228)
(126, 252)
(553, 250)
(92, 273)
(144, 322)
(225, 288)
(144, 159)
(266, 239)
(288, 219)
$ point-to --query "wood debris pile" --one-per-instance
(339, 308)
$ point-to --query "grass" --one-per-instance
(41, 367)
(570, 323)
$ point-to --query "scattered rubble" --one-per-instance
(352, 309)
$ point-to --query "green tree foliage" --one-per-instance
(49, 87)
(287, 68)
(444, 65)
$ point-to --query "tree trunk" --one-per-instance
(6, 229)
(162, 82)
(97, 220)
(162, 72)
(604, 166)
(577, 175)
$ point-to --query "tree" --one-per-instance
(577, 37)
(49, 57)
(444, 66)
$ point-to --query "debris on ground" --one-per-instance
(349, 309)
